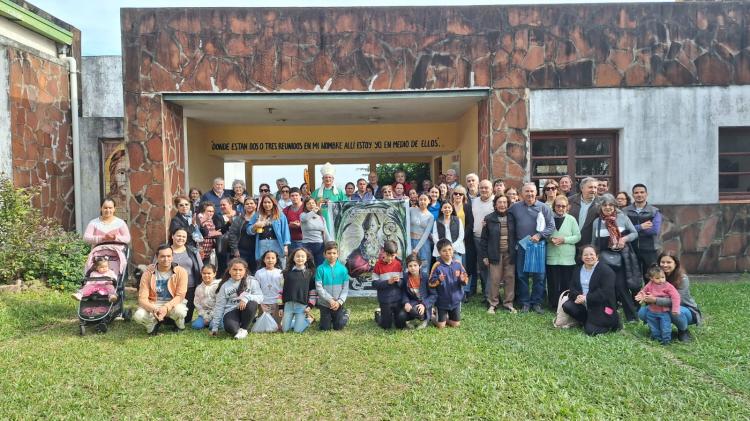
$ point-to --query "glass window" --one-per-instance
(579, 154)
(734, 163)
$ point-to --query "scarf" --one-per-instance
(614, 233)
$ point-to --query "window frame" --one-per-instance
(731, 196)
(571, 136)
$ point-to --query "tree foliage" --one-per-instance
(414, 171)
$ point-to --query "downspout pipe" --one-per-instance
(73, 71)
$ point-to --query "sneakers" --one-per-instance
(77, 296)
(510, 308)
(525, 308)
(684, 336)
(241, 334)
(377, 315)
(180, 323)
(538, 309)
(491, 310)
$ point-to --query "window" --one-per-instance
(579, 154)
(734, 163)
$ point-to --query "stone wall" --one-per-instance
(509, 49)
(41, 141)
(709, 238)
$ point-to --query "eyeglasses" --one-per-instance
(284, 191)
(550, 188)
(264, 190)
(561, 206)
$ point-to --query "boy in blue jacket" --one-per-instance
(386, 278)
(448, 277)
(332, 285)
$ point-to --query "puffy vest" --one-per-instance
(453, 227)
(646, 242)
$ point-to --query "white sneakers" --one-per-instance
(180, 323)
(241, 334)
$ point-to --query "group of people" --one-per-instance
(232, 255)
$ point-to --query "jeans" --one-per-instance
(660, 325)
(294, 245)
(294, 317)
(525, 297)
(424, 255)
(680, 321)
(265, 245)
(199, 323)
(316, 249)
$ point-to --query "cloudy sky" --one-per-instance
(99, 21)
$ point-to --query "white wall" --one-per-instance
(101, 79)
(6, 160)
(18, 33)
(668, 136)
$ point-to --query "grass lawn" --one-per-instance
(501, 367)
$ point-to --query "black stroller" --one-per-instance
(96, 308)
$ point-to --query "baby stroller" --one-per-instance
(95, 308)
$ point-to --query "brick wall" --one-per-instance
(40, 132)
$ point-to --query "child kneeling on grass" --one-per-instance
(332, 285)
(205, 296)
(386, 278)
(299, 281)
(657, 317)
(417, 298)
(447, 278)
(237, 299)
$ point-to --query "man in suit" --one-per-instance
(584, 206)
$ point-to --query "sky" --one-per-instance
(99, 20)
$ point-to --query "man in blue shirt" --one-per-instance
(526, 214)
(216, 193)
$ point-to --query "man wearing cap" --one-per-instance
(328, 192)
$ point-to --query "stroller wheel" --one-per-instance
(127, 315)
(82, 330)
(101, 328)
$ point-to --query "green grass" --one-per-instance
(500, 367)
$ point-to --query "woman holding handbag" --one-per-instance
(611, 232)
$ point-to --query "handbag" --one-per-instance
(613, 259)
(564, 320)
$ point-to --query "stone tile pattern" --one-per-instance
(708, 238)
(41, 139)
(509, 49)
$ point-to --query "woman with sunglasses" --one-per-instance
(183, 219)
(551, 189)
(462, 210)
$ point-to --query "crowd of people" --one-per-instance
(233, 255)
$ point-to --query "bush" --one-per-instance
(34, 247)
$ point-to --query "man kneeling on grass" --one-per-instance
(162, 293)
(448, 277)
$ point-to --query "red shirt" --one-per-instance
(406, 185)
(291, 216)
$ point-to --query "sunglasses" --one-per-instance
(550, 188)
(264, 190)
(458, 194)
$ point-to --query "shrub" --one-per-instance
(34, 247)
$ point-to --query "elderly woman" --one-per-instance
(242, 244)
(107, 227)
(690, 314)
(271, 229)
(551, 190)
(239, 193)
(623, 199)
(561, 251)
(611, 233)
(497, 248)
(592, 295)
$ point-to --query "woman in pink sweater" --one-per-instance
(107, 227)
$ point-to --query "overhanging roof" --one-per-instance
(327, 108)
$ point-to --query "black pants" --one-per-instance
(236, 319)
(190, 297)
(580, 313)
(558, 280)
(404, 316)
(646, 258)
(389, 315)
(330, 318)
(624, 296)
